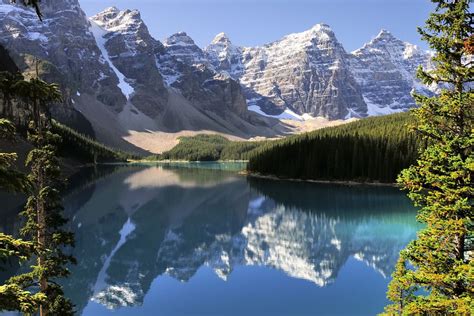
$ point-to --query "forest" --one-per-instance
(84, 149)
(372, 149)
(204, 147)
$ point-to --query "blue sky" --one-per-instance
(256, 22)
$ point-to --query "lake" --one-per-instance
(200, 239)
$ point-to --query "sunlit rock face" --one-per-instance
(187, 69)
(225, 56)
(385, 68)
(132, 50)
(64, 40)
(310, 72)
(305, 72)
(172, 222)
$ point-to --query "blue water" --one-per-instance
(175, 240)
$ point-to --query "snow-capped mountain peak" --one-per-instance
(179, 39)
(114, 20)
(298, 73)
(385, 69)
(183, 47)
(116, 62)
(384, 34)
(221, 38)
(318, 33)
(387, 44)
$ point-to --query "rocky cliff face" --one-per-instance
(130, 50)
(115, 74)
(305, 72)
(385, 70)
(189, 71)
(113, 71)
(64, 40)
(310, 72)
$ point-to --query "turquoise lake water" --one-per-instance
(200, 239)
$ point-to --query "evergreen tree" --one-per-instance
(42, 214)
(7, 80)
(374, 149)
(13, 296)
(11, 180)
(440, 277)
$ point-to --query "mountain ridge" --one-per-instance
(111, 69)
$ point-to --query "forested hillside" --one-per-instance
(372, 149)
(85, 149)
(205, 147)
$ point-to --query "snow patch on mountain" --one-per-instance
(183, 48)
(99, 34)
(374, 109)
(287, 114)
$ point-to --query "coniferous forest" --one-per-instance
(205, 147)
(372, 149)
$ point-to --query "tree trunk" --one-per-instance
(41, 218)
(42, 238)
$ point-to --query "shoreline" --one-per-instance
(339, 182)
(183, 161)
(257, 175)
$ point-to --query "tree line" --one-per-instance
(85, 149)
(208, 147)
(371, 149)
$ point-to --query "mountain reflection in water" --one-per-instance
(142, 225)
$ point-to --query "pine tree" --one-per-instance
(13, 296)
(7, 80)
(42, 214)
(441, 269)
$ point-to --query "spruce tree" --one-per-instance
(13, 297)
(435, 274)
(7, 80)
(43, 211)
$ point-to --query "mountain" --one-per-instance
(305, 72)
(385, 70)
(311, 73)
(115, 77)
(134, 92)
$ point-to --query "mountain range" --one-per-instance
(134, 92)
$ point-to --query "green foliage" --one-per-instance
(7, 82)
(205, 147)
(372, 149)
(441, 181)
(85, 149)
(13, 296)
(10, 179)
(43, 221)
